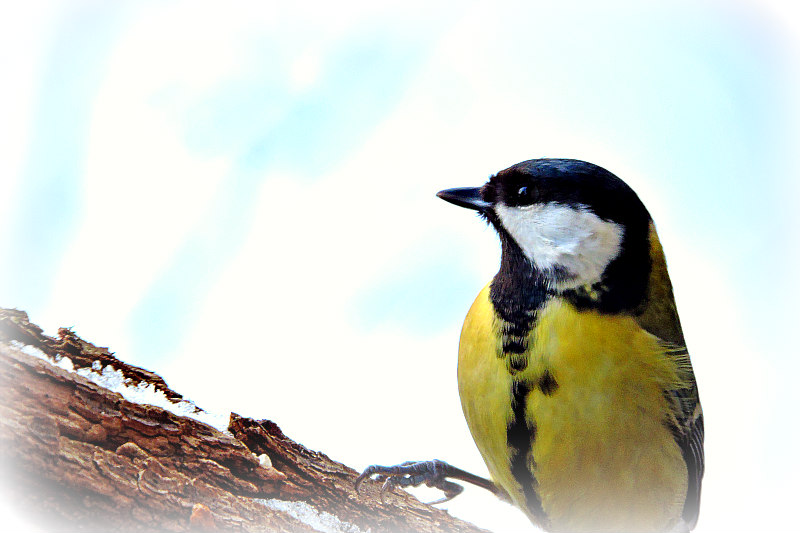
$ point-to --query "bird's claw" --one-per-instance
(413, 474)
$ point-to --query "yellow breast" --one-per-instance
(602, 456)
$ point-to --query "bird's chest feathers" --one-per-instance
(607, 370)
(594, 407)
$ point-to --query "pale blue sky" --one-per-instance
(242, 199)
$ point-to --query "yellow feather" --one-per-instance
(601, 441)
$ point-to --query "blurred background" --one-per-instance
(240, 197)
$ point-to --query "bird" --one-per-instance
(573, 372)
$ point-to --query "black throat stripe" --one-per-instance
(517, 293)
(518, 290)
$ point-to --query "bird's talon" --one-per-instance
(433, 474)
(387, 484)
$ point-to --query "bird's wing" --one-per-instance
(659, 316)
(687, 429)
(691, 444)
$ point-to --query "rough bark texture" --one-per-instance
(78, 457)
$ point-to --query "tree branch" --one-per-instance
(78, 456)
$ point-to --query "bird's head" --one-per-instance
(573, 222)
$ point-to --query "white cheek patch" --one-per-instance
(557, 237)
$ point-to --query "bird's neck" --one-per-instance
(519, 289)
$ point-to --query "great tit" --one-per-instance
(573, 371)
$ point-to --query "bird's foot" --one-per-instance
(413, 474)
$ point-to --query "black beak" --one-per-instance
(469, 197)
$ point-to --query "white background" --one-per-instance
(240, 197)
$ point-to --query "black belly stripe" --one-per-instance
(520, 435)
(514, 344)
(517, 293)
(514, 347)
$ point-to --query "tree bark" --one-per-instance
(79, 457)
